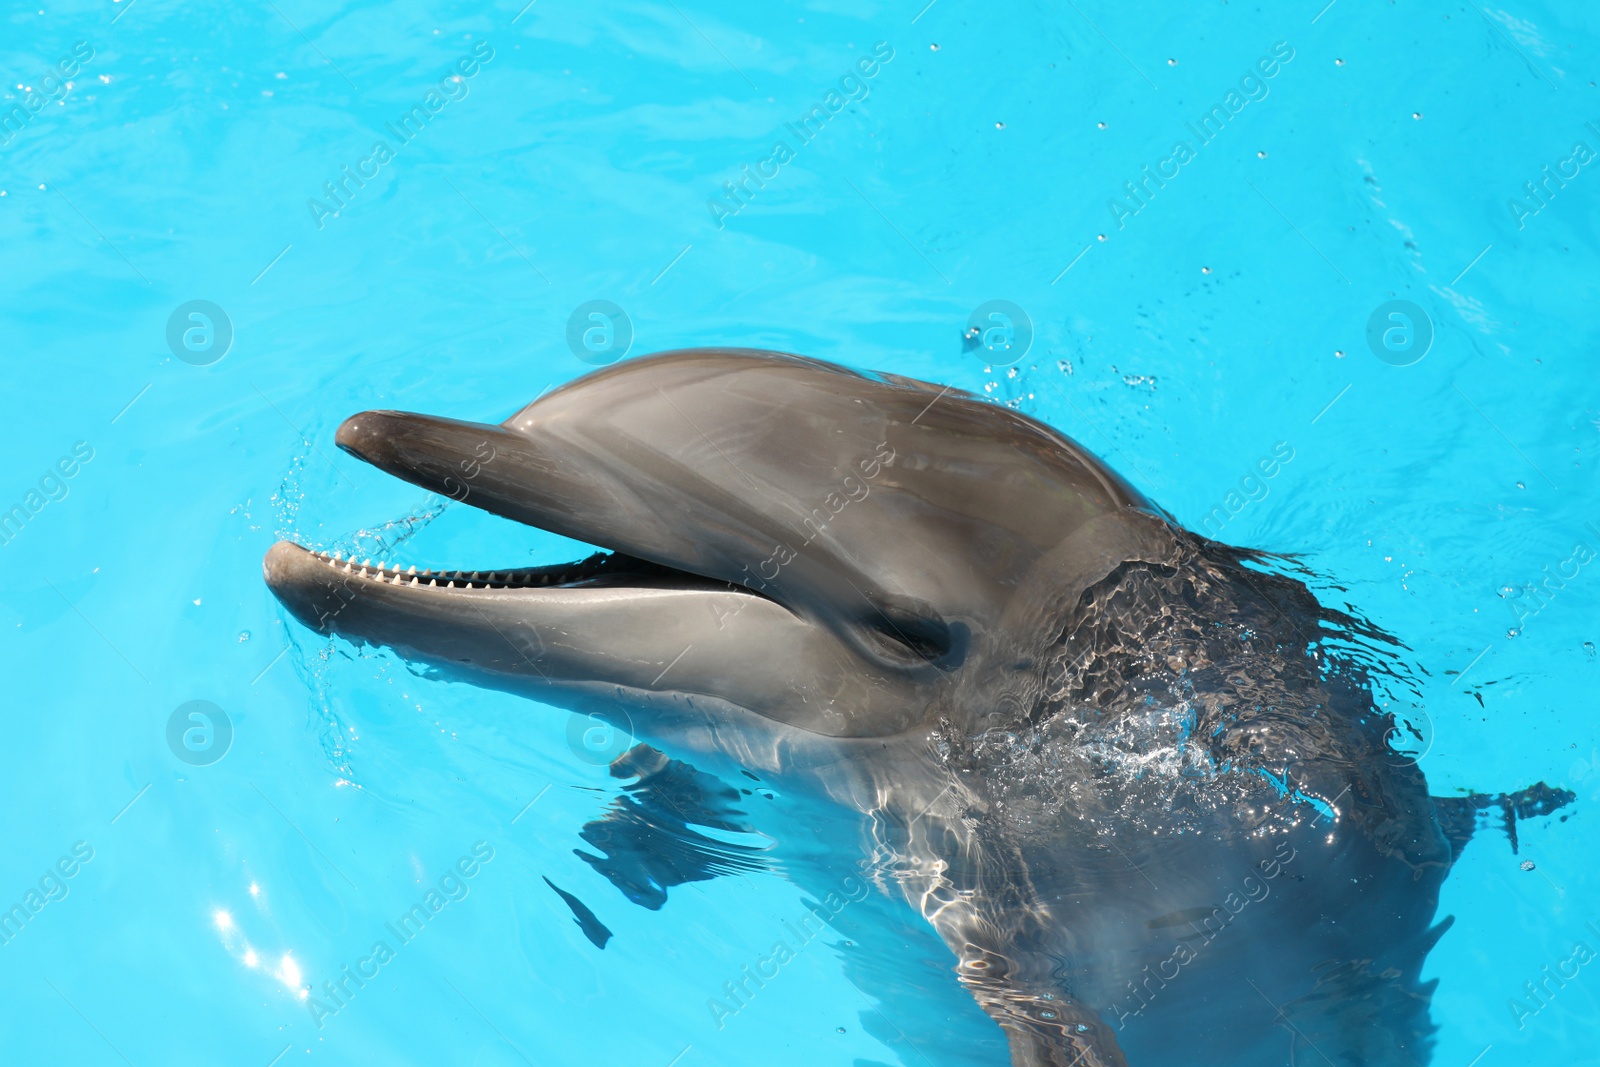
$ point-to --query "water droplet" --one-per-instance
(999, 125)
(244, 635)
(1261, 155)
(1338, 353)
(840, 1029)
(1101, 125)
(1172, 62)
(933, 48)
(1205, 270)
(1338, 62)
(1099, 237)
(1521, 486)
(1588, 646)
(1526, 865)
(1416, 114)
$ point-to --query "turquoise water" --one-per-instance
(1214, 318)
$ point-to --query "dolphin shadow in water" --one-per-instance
(1134, 779)
(648, 838)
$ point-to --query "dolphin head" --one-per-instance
(853, 555)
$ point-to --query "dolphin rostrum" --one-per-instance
(1135, 779)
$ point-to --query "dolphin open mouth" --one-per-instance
(418, 609)
(488, 467)
(776, 532)
(599, 570)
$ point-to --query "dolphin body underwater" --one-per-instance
(1126, 773)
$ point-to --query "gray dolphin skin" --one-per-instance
(1125, 772)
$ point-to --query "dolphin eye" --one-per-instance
(911, 631)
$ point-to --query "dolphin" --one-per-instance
(1134, 779)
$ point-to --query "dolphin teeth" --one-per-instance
(366, 563)
(383, 564)
(433, 583)
(413, 570)
(452, 585)
(337, 556)
(413, 582)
